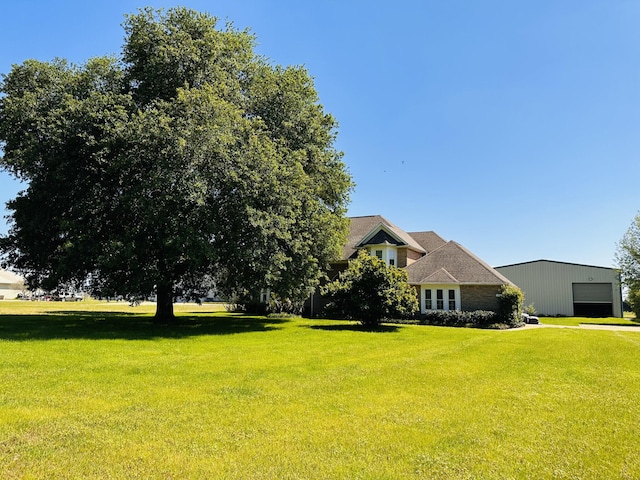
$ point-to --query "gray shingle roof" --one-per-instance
(444, 262)
(453, 262)
(428, 240)
(361, 227)
(440, 276)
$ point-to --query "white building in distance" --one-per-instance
(11, 285)
(567, 289)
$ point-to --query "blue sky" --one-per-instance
(510, 127)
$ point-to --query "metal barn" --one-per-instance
(559, 288)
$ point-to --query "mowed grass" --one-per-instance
(91, 390)
(629, 320)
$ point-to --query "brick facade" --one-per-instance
(479, 297)
(402, 257)
(406, 257)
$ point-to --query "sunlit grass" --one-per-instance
(23, 307)
(576, 321)
(103, 393)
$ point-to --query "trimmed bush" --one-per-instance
(457, 318)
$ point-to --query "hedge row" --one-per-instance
(456, 318)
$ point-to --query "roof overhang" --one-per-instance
(374, 231)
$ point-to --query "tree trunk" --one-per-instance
(164, 304)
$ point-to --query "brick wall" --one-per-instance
(412, 256)
(402, 258)
(479, 297)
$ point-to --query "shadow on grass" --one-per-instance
(125, 326)
(356, 327)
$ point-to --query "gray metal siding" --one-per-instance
(549, 285)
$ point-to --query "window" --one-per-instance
(379, 254)
(439, 299)
(392, 262)
(452, 299)
(427, 300)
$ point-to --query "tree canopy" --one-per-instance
(628, 260)
(186, 162)
(370, 291)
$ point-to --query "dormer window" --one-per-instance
(379, 254)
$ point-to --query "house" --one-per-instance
(570, 289)
(10, 285)
(446, 275)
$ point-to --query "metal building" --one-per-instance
(10, 285)
(559, 288)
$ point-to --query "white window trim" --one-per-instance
(445, 296)
(389, 252)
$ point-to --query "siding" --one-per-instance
(549, 285)
(10, 285)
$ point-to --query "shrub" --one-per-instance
(457, 318)
(370, 291)
(510, 306)
(280, 305)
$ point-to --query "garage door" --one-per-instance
(592, 299)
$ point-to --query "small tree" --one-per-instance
(628, 260)
(370, 291)
(634, 301)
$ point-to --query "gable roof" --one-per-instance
(452, 263)
(364, 229)
(440, 276)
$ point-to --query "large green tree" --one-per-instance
(187, 161)
(370, 291)
(628, 260)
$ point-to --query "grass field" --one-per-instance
(628, 320)
(94, 390)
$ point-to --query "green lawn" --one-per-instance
(91, 390)
(628, 320)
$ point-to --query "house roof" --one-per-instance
(364, 229)
(442, 262)
(440, 276)
(428, 240)
(452, 263)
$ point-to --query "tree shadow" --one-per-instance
(356, 327)
(126, 326)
